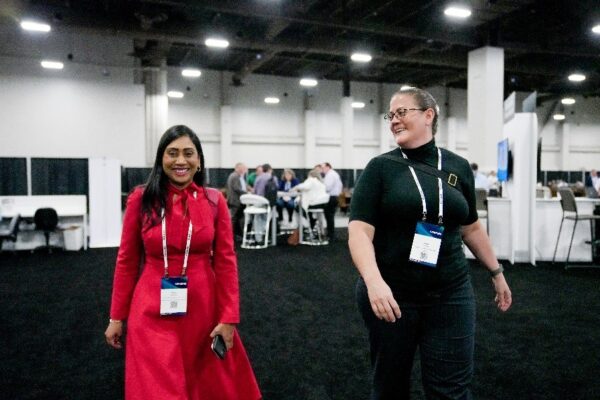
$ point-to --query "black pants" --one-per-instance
(441, 326)
(330, 216)
(237, 219)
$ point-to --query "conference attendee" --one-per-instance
(176, 285)
(236, 186)
(406, 232)
(595, 180)
(288, 181)
(253, 175)
(260, 188)
(314, 194)
(333, 185)
(481, 181)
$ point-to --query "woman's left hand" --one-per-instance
(225, 330)
(503, 295)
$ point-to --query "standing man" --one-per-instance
(260, 185)
(253, 175)
(333, 185)
(481, 181)
(236, 186)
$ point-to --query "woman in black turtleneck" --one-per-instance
(410, 294)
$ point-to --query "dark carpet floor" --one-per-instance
(300, 325)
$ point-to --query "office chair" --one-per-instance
(569, 209)
(11, 232)
(46, 220)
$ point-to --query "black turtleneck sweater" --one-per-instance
(387, 198)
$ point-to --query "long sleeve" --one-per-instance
(225, 267)
(128, 258)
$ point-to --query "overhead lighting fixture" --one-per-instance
(191, 73)
(308, 82)
(457, 12)
(596, 29)
(358, 104)
(558, 117)
(217, 43)
(174, 94)
(361, 57)
(568, 101)
(35, 26)
(405, 87)
(52, 64)
(576, 77)
(272, 100)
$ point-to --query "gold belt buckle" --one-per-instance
(452, 179)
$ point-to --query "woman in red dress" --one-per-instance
(177, 230)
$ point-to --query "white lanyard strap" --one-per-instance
(440, 189)
(164, 244)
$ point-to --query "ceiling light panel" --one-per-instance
(361, 57)
(217, 43)
(457, 12)
(34, 26)
(191, 73)
(52, 64)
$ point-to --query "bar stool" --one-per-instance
(256, 207)
(315, 236)
(569, 209)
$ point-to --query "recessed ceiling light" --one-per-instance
(361, 57)
(558, 117)
(596, 29)
(568, 101)
(271, 100)
(191, 73)
(457, 12)
(218, 43)
(52, 64)
(35, 26)
(174, 94)
(308, 82)
(358, 104)
(576, 77)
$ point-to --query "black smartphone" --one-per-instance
(218, 346)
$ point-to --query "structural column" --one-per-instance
(157, 109)
(563, 129)
(226, 137)
(451, 128)
(310, 140)
(347, 117)
(385, 135)
(485, 105)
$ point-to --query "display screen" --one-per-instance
(503, 160)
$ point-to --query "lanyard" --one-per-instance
(164, 243)
(440, 189)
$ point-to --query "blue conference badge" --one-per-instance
(426, 244)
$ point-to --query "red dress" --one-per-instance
(170, 358)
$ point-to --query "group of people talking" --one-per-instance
(321, 189)
(413, 208)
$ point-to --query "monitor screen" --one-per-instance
(503, 160)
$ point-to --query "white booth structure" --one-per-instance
(523, 228)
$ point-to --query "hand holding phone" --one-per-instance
(218, 346)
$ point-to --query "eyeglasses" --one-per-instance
(400, 113)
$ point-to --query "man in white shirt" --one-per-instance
(334, 186)
(595, 180)
(481, 181)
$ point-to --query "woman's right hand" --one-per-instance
(113, 334)
(382, 301)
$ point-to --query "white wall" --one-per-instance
(79, 112)
(76, 112)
